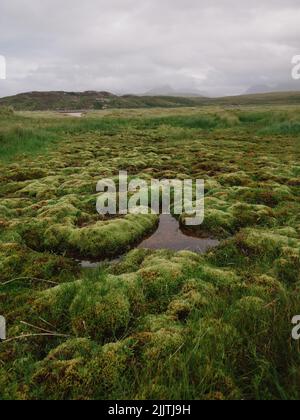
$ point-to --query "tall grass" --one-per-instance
(28, 136)
(203, 122)
(285, 128)
(254, 117)
(18, 141)
(21, 135)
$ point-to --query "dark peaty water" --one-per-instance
(170, 236)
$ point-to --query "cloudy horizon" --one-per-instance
(220, 47)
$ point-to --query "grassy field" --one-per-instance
(157, 324)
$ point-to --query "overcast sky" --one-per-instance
(217, 46)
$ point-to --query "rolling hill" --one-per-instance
(91, 100)
(42, 101)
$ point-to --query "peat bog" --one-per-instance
(158, 324)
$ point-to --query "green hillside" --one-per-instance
(44, 101)
(90, 100)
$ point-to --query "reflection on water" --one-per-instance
(170, 236)
(96, 264)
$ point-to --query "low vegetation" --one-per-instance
(154, 324)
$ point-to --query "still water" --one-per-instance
(169, 236)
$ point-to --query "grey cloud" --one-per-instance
(220, 46)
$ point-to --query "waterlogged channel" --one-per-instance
(169, 236)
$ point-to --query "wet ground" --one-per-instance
(168, 236)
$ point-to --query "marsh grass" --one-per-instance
(286, 128)
(203, 122)
(156, 324)
(23, 141)
(20, 135)
(23, 135)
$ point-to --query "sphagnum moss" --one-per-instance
(158, 324)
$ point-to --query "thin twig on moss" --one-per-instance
(29, 278)
(20, 337)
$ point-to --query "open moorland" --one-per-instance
(155, 324)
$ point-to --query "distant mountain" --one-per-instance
(167, 90)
